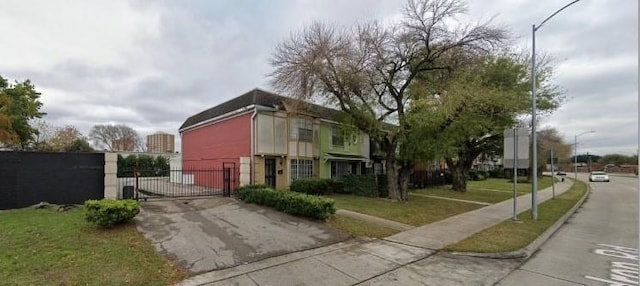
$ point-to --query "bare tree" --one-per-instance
(367, 70)
(118, 137)
(43, 134)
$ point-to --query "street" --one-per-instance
(597, 245)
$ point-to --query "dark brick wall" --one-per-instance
(27, 178)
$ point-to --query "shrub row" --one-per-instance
(311, 186)
(360, 185)
(107, 213)
(288, 202)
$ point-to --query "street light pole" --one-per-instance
(534, 140)
(575, 153)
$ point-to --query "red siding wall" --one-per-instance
(217, 145)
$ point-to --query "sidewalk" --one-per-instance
(371, 261)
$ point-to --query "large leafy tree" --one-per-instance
(462, 112)
(367, 70)
(115, 137)
(19, 103)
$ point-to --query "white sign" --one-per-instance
(522, 137)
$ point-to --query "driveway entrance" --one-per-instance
(216, 233)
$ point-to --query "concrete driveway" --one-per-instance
(216, 233)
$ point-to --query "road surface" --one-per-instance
(597, 246)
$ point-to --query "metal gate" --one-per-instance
(145, 184)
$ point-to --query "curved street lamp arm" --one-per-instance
(547, 19)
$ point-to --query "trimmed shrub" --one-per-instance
(383, 186)
(473, 175)
(337, 187)
(258, 186)
(496, 174)
(448, 178)
(289, 202)
(107, 213)
(361, 185)
(311, 186)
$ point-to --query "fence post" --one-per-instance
(110, 176)
(136, 175)
(226, 177)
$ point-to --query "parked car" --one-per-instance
(598, 177)
(560, 173)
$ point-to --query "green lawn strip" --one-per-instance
(470, 195)
(417, 211)
(45, 247)
(509, 236)
(506, 185)
(358, 227)
(479, 191)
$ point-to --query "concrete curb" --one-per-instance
(528, 250)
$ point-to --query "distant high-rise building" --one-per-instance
(160, 142)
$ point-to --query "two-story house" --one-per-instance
(280, 139)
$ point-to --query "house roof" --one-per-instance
(262, 98)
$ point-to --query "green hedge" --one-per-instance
(311, 186)
(383, 186)
(289, 202)
(360, 185)
(107, 213)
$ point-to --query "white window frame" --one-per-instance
(300, 169)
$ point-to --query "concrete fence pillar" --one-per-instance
(111, 176)
(245, 171)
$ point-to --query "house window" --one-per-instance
(337, 136)
(340, 169)
(302, 130)
(301, 169)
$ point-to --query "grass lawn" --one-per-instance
(478, 190)
(509, 236)
(417, 211)
(505, 185)
(46, 247)
(358, 227)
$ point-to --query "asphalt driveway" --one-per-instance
(216, 233)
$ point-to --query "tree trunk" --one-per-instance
(459, 177)
(396, 191)
(392, 180)
(405, 172)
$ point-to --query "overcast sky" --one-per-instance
(150, 65)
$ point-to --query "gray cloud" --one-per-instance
(152, 64)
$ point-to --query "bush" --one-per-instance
(496, 174)
(289, 202)
(473, 175)
(107, 213)
(360, 185)
(337, 187)
(448, 178)
(311, 186)
(484, 174)
(383, 186)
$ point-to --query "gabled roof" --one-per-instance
(261, 98)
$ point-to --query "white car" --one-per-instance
(598, 177)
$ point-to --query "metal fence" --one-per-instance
(424, 178)
(145, 184)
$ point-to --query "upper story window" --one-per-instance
(302, 130)
(337, 136)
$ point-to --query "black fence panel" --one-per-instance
(27, 178)
(423, 178)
